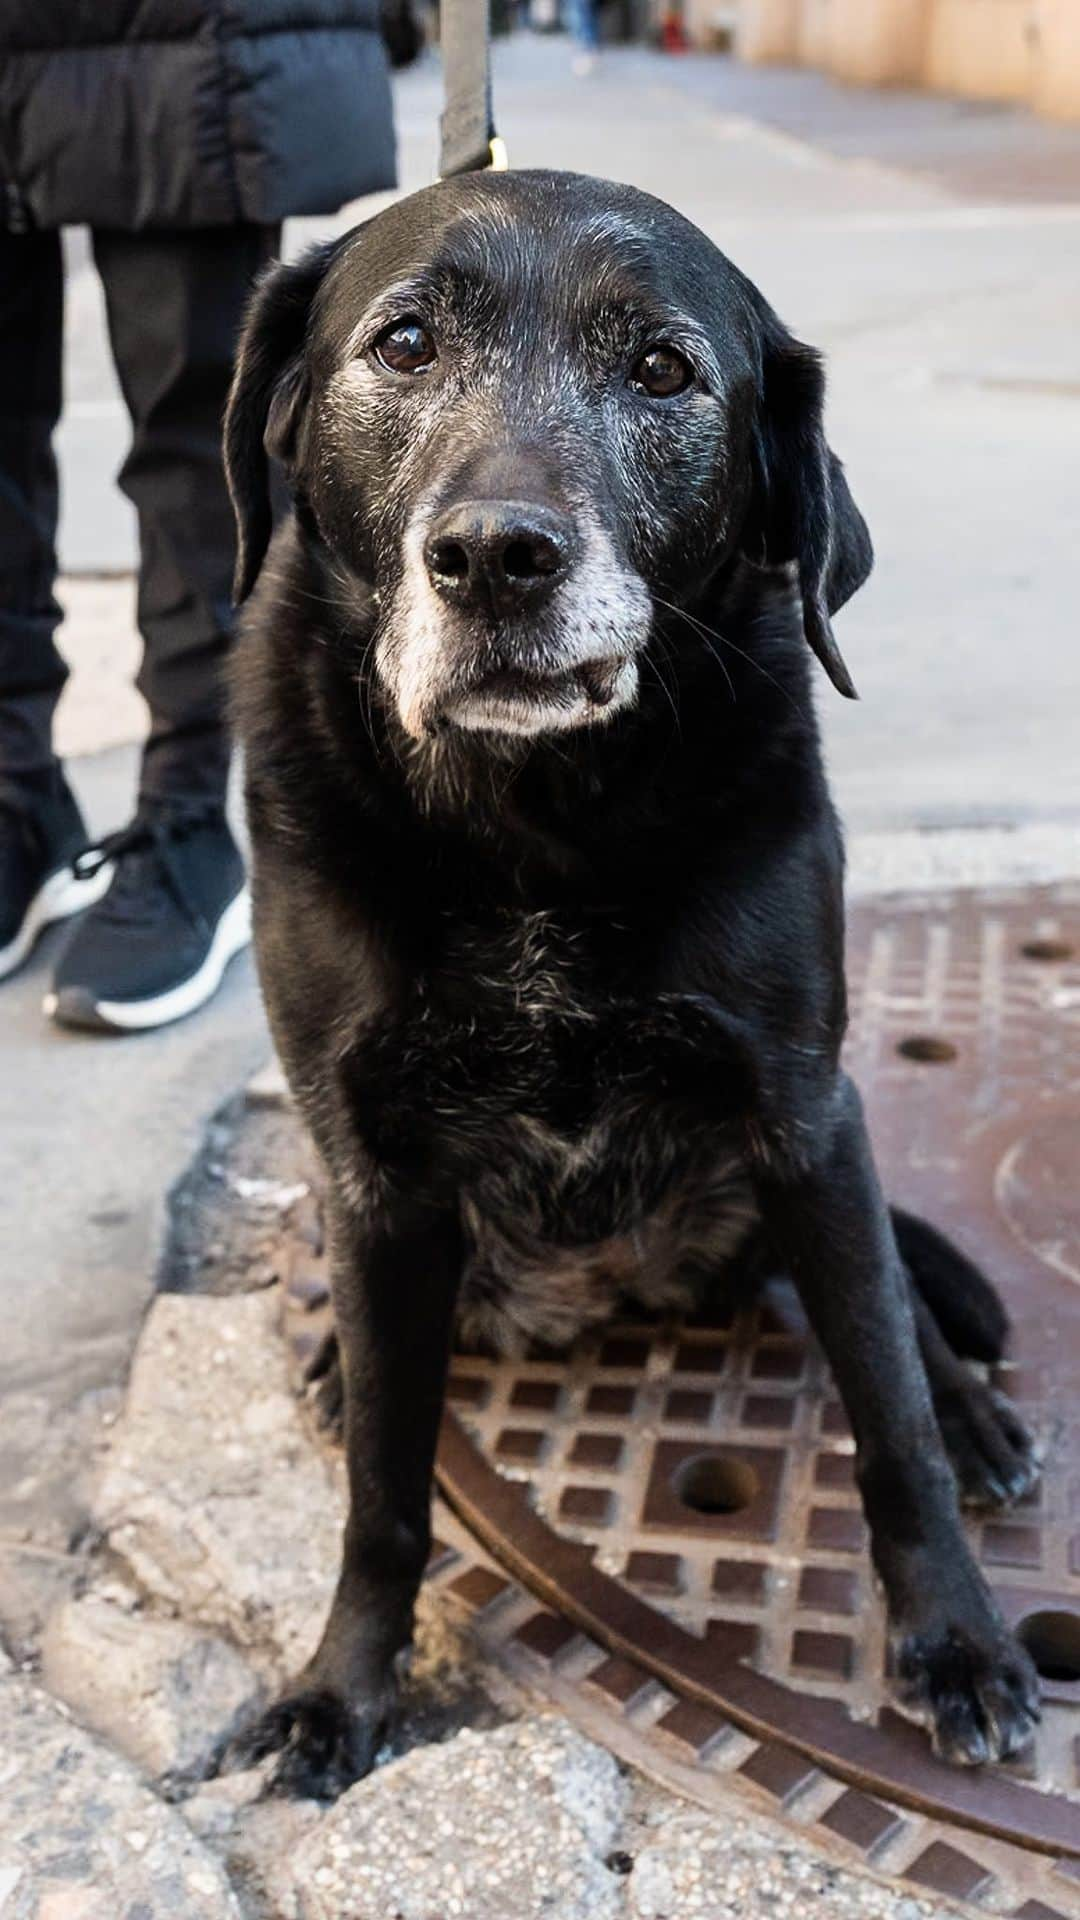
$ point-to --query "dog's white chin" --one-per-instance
(530, 713)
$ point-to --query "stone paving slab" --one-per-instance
(159, 1690)
(517, 1822)
(211, 1495)
(81, 1838)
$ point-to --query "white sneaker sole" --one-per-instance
(61, 895)
(231, 936)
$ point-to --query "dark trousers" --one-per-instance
(174, 304)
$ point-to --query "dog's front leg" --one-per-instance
(959, 1667)
(396, 1277)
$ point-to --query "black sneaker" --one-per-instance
(176, 911)
(40, 835)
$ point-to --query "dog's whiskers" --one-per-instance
(708, 634)
(665, 689)
(705, 633)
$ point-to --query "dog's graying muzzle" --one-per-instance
(500, 556)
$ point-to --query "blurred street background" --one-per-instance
(931, 246)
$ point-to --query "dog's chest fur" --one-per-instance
(591, 1135)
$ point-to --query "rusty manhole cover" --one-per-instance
(680, 1498)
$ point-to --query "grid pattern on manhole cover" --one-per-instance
(707, 1466)
(781, 1580)
(694, 1750)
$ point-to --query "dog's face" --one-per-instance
(527, 413)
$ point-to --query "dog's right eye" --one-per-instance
(661, 373)
(405, 347)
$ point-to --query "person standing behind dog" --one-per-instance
(182, 132)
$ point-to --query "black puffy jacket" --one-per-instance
(190, 113)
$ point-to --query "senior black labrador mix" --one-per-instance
(547, 880)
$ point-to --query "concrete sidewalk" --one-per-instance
(933, 252)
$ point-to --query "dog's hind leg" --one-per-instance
(959, 1317)
(966, 1305)
(992, 1453)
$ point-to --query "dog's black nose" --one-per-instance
(505, 554)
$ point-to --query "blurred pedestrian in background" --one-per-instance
(583, 22)
(182, 132)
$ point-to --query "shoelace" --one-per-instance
(151, 834)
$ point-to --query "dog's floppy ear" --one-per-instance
(266, 400)
(801, 509)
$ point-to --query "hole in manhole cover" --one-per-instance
(1053, 1641)
(927, 1047)
(711, 1483)
(1047, 950)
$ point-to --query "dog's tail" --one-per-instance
(965, 1304)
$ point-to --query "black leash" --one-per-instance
(469, 141)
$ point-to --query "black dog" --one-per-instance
(548, 885)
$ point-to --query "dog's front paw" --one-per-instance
(323, 1745)
(977, 1691)
(993, 1454)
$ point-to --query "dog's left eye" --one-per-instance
(661, 372)
(406, 347)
